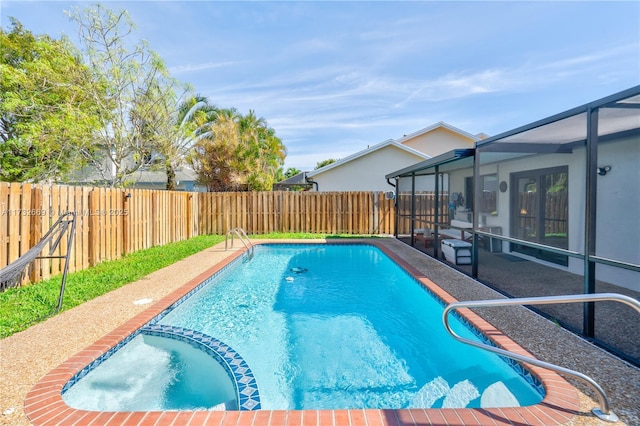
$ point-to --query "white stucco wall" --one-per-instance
(618, 213)
(366, 173)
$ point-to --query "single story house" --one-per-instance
(366, 169)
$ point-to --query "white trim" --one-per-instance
(436, 126)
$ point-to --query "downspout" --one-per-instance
(312, 182)
(389, 182)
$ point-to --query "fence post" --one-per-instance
(154, 218)
(126, 232)
(36, 229)
(189, 214)
(94, 228)
(4, 232)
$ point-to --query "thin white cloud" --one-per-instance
(579, 61)
(201, 67)
(310, 47)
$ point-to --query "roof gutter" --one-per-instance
(431, 163)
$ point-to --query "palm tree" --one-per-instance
(291, 172)
(191, 122)
(216, 155)
(326, 162)
(237, 150)
(264, 153)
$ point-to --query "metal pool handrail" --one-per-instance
(242, 236)
(604, 412)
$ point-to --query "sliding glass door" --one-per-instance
(540, 211)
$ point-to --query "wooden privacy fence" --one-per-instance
(313, 212)
(424, 211)
(113, 222)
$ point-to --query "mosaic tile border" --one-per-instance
(236, 367)
(148, 327)
(238, 370)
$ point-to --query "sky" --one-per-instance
(334, 77)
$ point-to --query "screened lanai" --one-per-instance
(549, 208)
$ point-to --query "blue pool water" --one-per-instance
(154, 373)
(334, 327)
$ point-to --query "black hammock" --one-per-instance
(12, 274)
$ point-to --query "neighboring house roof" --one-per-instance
(389, 142)
(298, 179)
(444, 125)
(184, 174)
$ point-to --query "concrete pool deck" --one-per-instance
(28, 356)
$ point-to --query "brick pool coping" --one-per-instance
(44, 405)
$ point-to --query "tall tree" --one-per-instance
(291, 172)
(171, 127)
(238, 152)
(138, 87)
(49, 106)
(264, 152)
(216, 158)
(191, 119)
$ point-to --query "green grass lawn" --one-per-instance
(22, 307)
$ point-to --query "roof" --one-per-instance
(381, 145)
(569, 126)
(447, 157)
(183, 174)
(564, 128)
(298, 179)
(442, 124)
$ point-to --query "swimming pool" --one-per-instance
(556, 395)
(322, 327)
